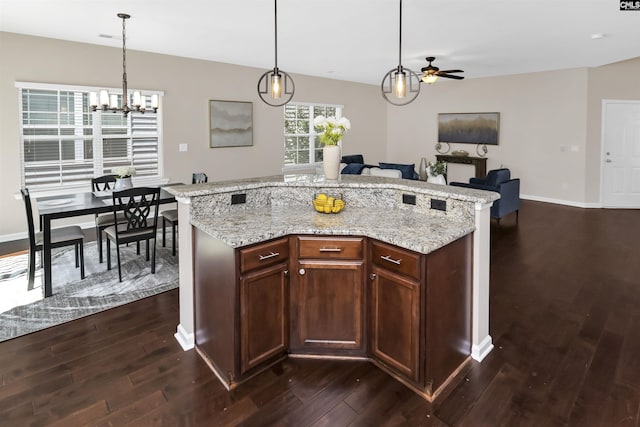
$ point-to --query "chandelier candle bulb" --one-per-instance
(113, 104)
(137, 101)
(154, 102)
(104, 98)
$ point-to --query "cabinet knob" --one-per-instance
(286, 272)
(301, 271)
(372, 276)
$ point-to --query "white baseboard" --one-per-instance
(561, 202)
(186, 340)
(480, 351)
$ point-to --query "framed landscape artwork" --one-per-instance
(230, 124)
(469, 128)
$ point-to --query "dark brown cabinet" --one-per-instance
(309, 295)
(395, 322)
(327, 297)
(241, 305)
(264, 329)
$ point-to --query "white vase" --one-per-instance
(123, 184)
(437, 179)
(331, 161)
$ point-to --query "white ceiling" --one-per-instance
(354, 40)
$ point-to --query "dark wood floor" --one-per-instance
(565, 319)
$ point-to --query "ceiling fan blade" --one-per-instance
(451, 71)
(449, 76)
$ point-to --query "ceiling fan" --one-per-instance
(430, 73)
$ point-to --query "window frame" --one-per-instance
(97, 162)
(312, 135)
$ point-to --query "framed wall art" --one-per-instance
(230, 124)
(469, 128)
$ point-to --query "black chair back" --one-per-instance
(199, 178)
(30, 226)
(140, 207)
(103, 183)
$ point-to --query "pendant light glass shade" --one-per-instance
(276, 87)
(400, 86)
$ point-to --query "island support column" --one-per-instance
(481, 342)
(185, 332)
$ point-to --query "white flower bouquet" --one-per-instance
(124, 171)
(437, 168)
(332, 129)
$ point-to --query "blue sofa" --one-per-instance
(498, 180)
(355, 165)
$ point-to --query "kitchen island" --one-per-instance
(400, 277)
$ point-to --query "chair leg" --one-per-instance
(99, 242)
(153, 258)
(164, 230)
(147, 250)
(119, 267)
(32, 269)
(173, 238)
(517, 212)
(138, 247)
(108, 253)
(81, 246)
(77, 249)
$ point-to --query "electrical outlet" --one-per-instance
(183, 147)
(237, 199)
(409, 199)
(440, 205)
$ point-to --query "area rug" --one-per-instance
(23, 311)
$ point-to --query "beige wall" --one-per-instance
(540, 113)
(188, 85)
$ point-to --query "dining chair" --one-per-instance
(171, 215)
(61, 236)
(102, 221)
(140, 208)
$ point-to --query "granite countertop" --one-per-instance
(419, 233)
(351, 181)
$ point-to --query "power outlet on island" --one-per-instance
(237, 199)
(409, 199)
(439, 205)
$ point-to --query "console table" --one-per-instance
(480, 163)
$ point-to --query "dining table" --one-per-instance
(51, 208)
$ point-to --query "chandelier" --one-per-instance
(109, 102)
(276, 82)
(402, 83)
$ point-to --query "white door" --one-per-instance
(620, 154)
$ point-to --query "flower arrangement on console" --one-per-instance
(124, 171)
(332, 129)
(437, 168)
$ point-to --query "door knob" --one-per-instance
(301, 271)
(372, 276)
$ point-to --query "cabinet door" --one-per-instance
(327, 301)
(264, 325)
(395, 321)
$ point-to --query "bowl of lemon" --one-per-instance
(328, 204)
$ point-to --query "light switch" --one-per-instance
(575, 148)
(184, 147)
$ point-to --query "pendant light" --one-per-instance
(400, 86)
(109, 102)
(275, 84)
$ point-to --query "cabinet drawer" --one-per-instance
(396, 259)
(330, 247)
(264, 255)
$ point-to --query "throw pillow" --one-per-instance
(353, 169)
(407, 170)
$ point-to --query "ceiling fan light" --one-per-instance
(429, 78)
(400, 88)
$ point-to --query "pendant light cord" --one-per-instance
(275, 2)
(400, 40)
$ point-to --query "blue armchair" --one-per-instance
(498, 180)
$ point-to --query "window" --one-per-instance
(301, 146)
(65, 144)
